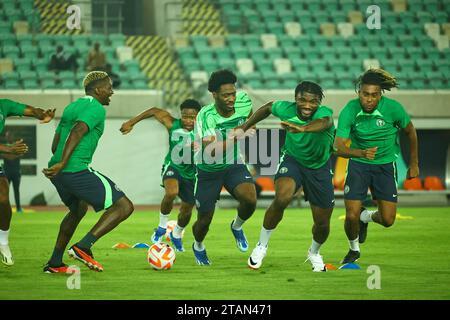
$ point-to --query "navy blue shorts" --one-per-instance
(209, 184)
(317, 183)
(185, 186)
(380, 178)
(87, 185)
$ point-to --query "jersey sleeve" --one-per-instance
(279, 109)
(276, 108)
(92, 116)
(13, 108)
(204, 126)
(401, 116)
(323, 112)
(243, 104)
(344, 123)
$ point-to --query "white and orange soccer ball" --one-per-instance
(161, 256)
(170, 226)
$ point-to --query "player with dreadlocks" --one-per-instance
(372, 122)
(78, 185)
(305, 161)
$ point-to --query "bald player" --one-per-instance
(78, 185)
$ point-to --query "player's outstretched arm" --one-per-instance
(341, 149)
(317, 125)
(413, 170)
(161, 115)
(44, 115)
(262, 113)
(248, 128)
(75, 136)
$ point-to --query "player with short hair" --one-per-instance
(218, 163)
(178, 172)
(305, 161)
(372, 122)
(10, 108)
(78, 185)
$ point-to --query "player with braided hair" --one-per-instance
(78, 185)
(372, 122)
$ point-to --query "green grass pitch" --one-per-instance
(412, 256)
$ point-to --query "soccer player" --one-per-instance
(78, 185)
(177, 174)
(305, 161)
(372, 122)
(217, 161)
(11, 108)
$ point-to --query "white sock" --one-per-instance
(264, 236)
(4, 237)
(366, 216)
(237, 224)
(178, 231)
(354, 244)
(199, 246)
(163, 218)
(315, 247)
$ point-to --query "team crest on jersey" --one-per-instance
(170, 173)
(283, 170)
(380, 122)
(346, 189)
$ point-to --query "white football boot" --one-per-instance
(316, 262)
(257, 256)
(6, 255)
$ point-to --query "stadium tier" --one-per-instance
(285, 41)
(26, 50)
(270, 44)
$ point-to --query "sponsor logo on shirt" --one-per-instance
(380, 122)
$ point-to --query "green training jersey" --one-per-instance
(180, 155)
(310, 149)
(211, 123)
(88, 110)
(9, 108)
(377, 129)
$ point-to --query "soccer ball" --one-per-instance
(170, 227)
(161, 256)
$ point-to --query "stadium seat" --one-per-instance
(21, 27)
(328, 29)
(282, 66)
(355, 17)
(124, 54)
(413, 184)
(433, 183)
(293, 28)
(6, 66)
(31, 84)
(245, 66)
(442, 42)
(269, 41)
(216, 41)
(12, 84)
(345, 29)
(399, 5)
